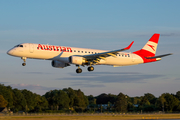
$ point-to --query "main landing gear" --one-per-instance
(90, 68)
(79, 70)
(24, 59)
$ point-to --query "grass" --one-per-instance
(92, 117)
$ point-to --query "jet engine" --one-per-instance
(76, 60)
(59, 64)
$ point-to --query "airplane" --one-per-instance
(63, 56)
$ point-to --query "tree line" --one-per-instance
(71, 101)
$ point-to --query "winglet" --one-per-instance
(127, 48)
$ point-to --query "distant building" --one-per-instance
(3, 110)
(136, 105)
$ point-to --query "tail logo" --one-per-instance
(151, 46)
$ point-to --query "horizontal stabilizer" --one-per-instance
(159, 56)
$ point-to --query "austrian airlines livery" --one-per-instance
(62, 56)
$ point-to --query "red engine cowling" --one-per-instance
(59, 64)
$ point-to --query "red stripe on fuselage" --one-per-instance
(144, 53)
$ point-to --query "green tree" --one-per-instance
(72, 94)
(151, 98)
(121, 103)
(144, 101)
(30, 100)
(92, 102)
(81, 101)
(62, 99)
(6, 92)
(112, 98)
(19, 102)
(41, 103)
(171, 102)
(160, 102)
(135, 100)
(178, 95)
(57, 99)
(102, 99)
(3, 102)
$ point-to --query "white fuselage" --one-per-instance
(62, 56)
(62, 53)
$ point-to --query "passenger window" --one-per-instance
(74, 50)
(82, 51)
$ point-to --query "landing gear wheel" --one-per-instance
(79, 70)
(23, 64)
(24, 59)
(91, 68)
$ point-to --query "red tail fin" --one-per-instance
(149, 50)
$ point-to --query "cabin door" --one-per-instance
(31, 48)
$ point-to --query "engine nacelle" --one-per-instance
(76, 60)
(59, 64)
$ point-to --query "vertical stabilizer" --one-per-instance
(149, 50)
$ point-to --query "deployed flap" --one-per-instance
(159, 56)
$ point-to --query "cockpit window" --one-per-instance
(18, 46)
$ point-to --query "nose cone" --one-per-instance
(10, 52)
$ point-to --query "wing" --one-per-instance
(95, 58)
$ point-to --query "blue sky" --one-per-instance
(99, 24)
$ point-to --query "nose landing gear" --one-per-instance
(23, 64)
(24, 59)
